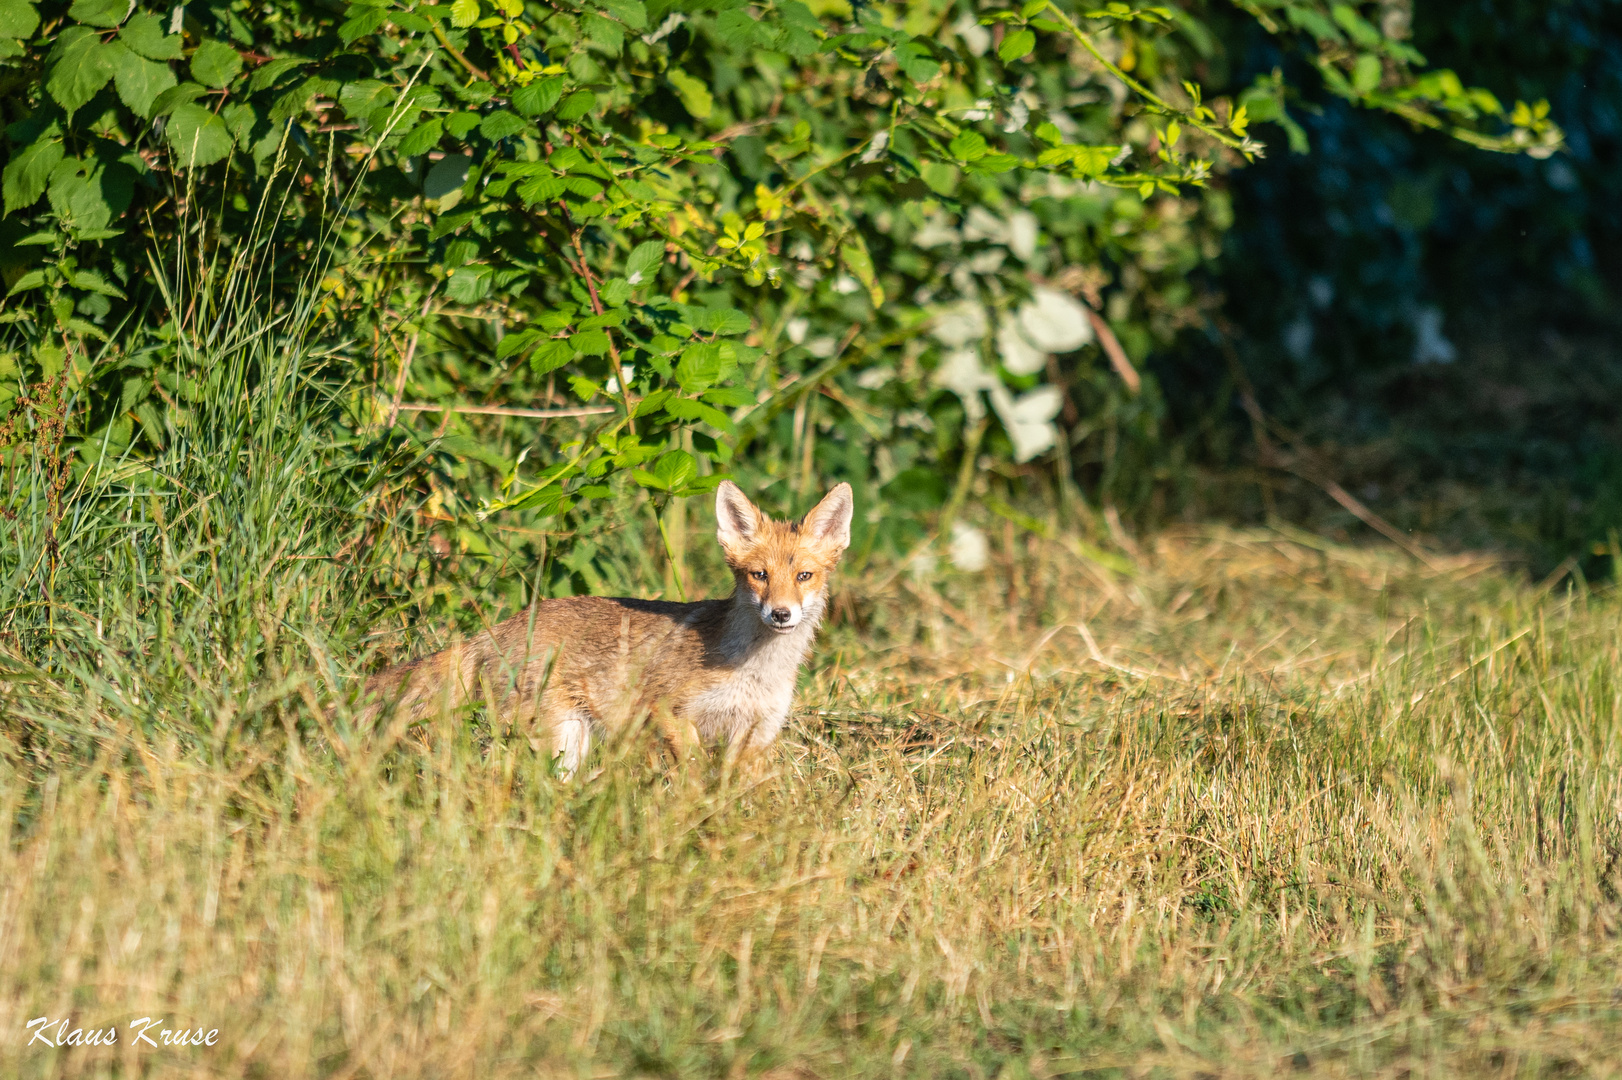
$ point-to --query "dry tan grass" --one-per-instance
(1266, 804)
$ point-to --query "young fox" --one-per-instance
(726, 667)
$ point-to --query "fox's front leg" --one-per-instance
(677, 734)
(748, 751)
(563, 730)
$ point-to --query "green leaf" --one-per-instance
(167, 101)
(995, 163)
(79, 67)
(643, 263)
(28, 171)
(576, 105)
(502, 124)
(87, 197)
(695, 96)
(365, 23)
(464, 13)
(652, 403)
(968, 146)
(1304, 18)
(604, 34)
(670, 473)
(550, 357)
(855, 256)
(31, 280)
(539, 96)
(917, 62)
(513, 344)
(1366, 74)
(468, 284)
(731, 397)
(566, 159)
(1016, 46)
(739, 30)
(460, 123)
(215, 64)
(144, 34)
(589, 343)
(104, 13)
(701, 367)
(361, 100)
(607, 318)
(91, 281)
(724, 321)
(196, 136)
(1361, 31)
(18, 19)
(630, 12)
(423, 138)
(140, 81)
(267, 74)
(687, 409)
(540, 189)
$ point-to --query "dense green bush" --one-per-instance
(825, 238)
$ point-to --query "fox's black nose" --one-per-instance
(781, 615)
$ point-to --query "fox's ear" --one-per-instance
(737, 520)
(829, 520)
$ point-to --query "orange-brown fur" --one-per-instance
(725, 667)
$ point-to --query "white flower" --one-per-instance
(1019, 356)
(1018, 114)
(875, 377)
(627, 373)
(1054, 321)
(968, 550)
(844, 285)
(976, 38)
(988, 261)
(962, 373)
(982, 224)
(960, 322)
(1029, 419)
(876, 147)
(1431, 346)
(1022, 228)
(666, 28)
(796, 329)
(822, 347)
(936, 231)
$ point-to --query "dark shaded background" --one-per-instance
(1442, 324)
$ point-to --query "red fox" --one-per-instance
(725, 667)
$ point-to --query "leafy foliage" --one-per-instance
(699, 228)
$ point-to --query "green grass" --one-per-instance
(1263, 804)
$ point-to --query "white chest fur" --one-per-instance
(753, 698)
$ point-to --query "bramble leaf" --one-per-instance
(196, 136)
(29, 170)
(215, 64)
(79, 66)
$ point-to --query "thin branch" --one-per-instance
(504, 410)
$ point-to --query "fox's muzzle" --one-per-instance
(781, 619)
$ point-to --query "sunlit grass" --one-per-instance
(1260, 806)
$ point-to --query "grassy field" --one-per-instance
(1263, 805)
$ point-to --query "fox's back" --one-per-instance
(599, 644)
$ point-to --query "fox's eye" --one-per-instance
(758, 575)
(803, 575)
